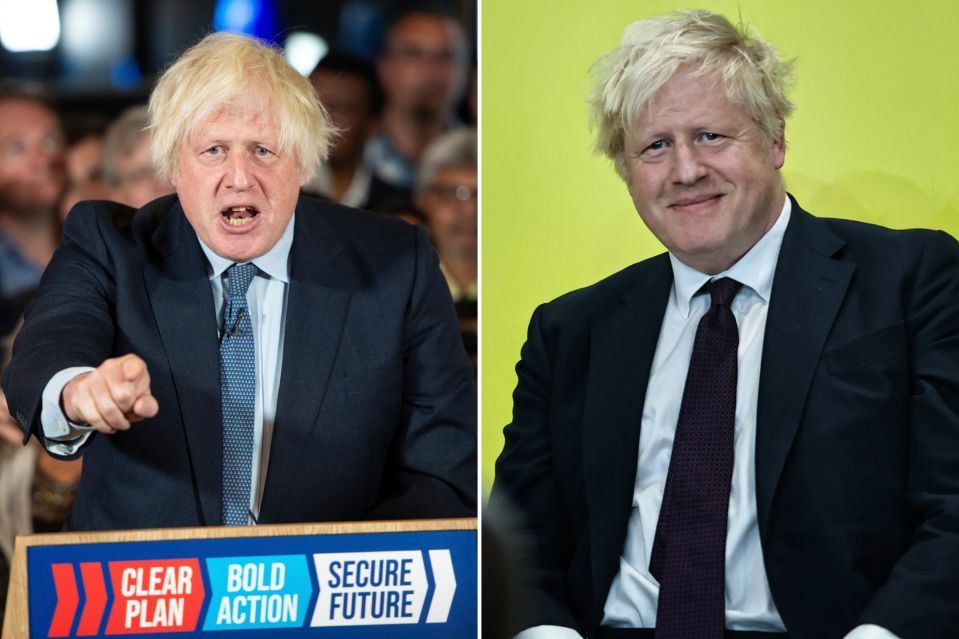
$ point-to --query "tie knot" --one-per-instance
(240, 277)
(722, 291)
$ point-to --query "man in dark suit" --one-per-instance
(783, 384)
(236, 353)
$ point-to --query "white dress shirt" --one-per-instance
(266, 298)
(634, 593)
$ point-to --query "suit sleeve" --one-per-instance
(526, 483)
(431, 467)
(69, 322)
(921, 596)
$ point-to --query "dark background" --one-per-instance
(110, 52)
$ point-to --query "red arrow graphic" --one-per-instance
(67, 598)
(96, 592)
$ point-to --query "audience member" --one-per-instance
(446, 193)
(423, 70)
(32, 179)
(347, 87)
(127, 166)
(84, 164)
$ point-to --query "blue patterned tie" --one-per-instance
(689, 550)
(237, 396)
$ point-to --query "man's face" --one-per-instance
(701, 176)
(348, 101)
(139, 182)
(449, 204)
(236, 189)
(84, 159)
(32, 168)
(423, 70)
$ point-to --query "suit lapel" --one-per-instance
(622, 344)
(182, 302)
(808, 289)
(318, 300)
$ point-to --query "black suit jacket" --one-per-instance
(376, 408)
(857, 439)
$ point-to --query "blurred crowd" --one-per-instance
(407, 146)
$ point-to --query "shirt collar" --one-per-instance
(274, 262)
(755, 269)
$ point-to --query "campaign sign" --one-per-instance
(258, 592)
(154, 596)
(398, 585)
(359, 588)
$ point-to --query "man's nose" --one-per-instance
(238, 173)
(44, 157)
(688, 167)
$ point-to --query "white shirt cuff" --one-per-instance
(63, 436)
(548, 632)
(870, 631)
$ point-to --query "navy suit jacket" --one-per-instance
(857, 439)
(376, 410)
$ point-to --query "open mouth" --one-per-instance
(239, 215)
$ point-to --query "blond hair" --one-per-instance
(652, 50)
(221, 68)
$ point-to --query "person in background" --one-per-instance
(423, 69)
(32, 180)
(446, 193)
(346, 86)
(127, 166)
(84, 160)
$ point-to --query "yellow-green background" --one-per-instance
(875, 137)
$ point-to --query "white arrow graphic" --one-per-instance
(445, 581)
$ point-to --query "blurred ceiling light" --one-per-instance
(304, 50)
(96, 32)
(252, 17)
(235, 15)
(32, 25)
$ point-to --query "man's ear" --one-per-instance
(779, 146)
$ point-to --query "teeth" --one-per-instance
(239, 215)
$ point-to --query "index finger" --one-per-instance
(134, 369)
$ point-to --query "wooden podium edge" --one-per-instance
(16, 621)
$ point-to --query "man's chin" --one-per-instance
(29, 210)
(424, 111)
(238, 248)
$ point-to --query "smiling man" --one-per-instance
(755, 433)
(238, 353)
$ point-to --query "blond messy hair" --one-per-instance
(652, 50)
(221, 68)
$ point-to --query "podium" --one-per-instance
(396, 579)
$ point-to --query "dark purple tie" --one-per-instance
(689, 552)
